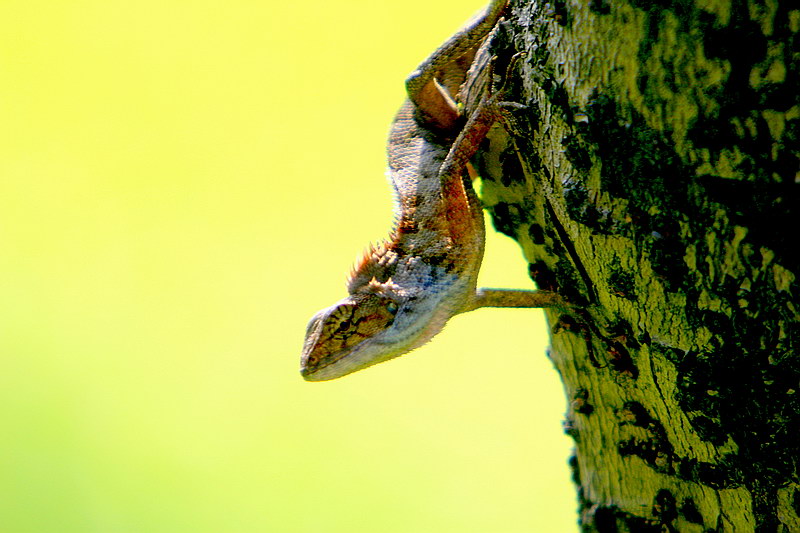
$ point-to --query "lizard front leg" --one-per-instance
(453, 188)
(488, 110)
(514, 298)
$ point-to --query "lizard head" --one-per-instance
(380, 320)
(347, 336)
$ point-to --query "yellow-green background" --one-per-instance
(182, 185)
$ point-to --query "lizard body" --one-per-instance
(403, 291)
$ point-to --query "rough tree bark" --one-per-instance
(651, 175)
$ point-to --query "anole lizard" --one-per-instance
(403, 291)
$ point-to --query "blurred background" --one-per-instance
(182, 185)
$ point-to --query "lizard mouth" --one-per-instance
(307, 373)
(322, 372)
(328, 368)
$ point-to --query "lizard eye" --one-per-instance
(391, 307)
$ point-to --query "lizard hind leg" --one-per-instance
(489, 108)
(436, 107)
(433, 97)
(465, 40)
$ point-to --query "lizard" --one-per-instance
(404, 290)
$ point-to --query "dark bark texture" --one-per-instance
(649, 169)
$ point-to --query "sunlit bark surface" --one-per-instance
(649, 170)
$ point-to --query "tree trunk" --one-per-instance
(649, 170)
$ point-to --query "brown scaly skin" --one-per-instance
(403, 292)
